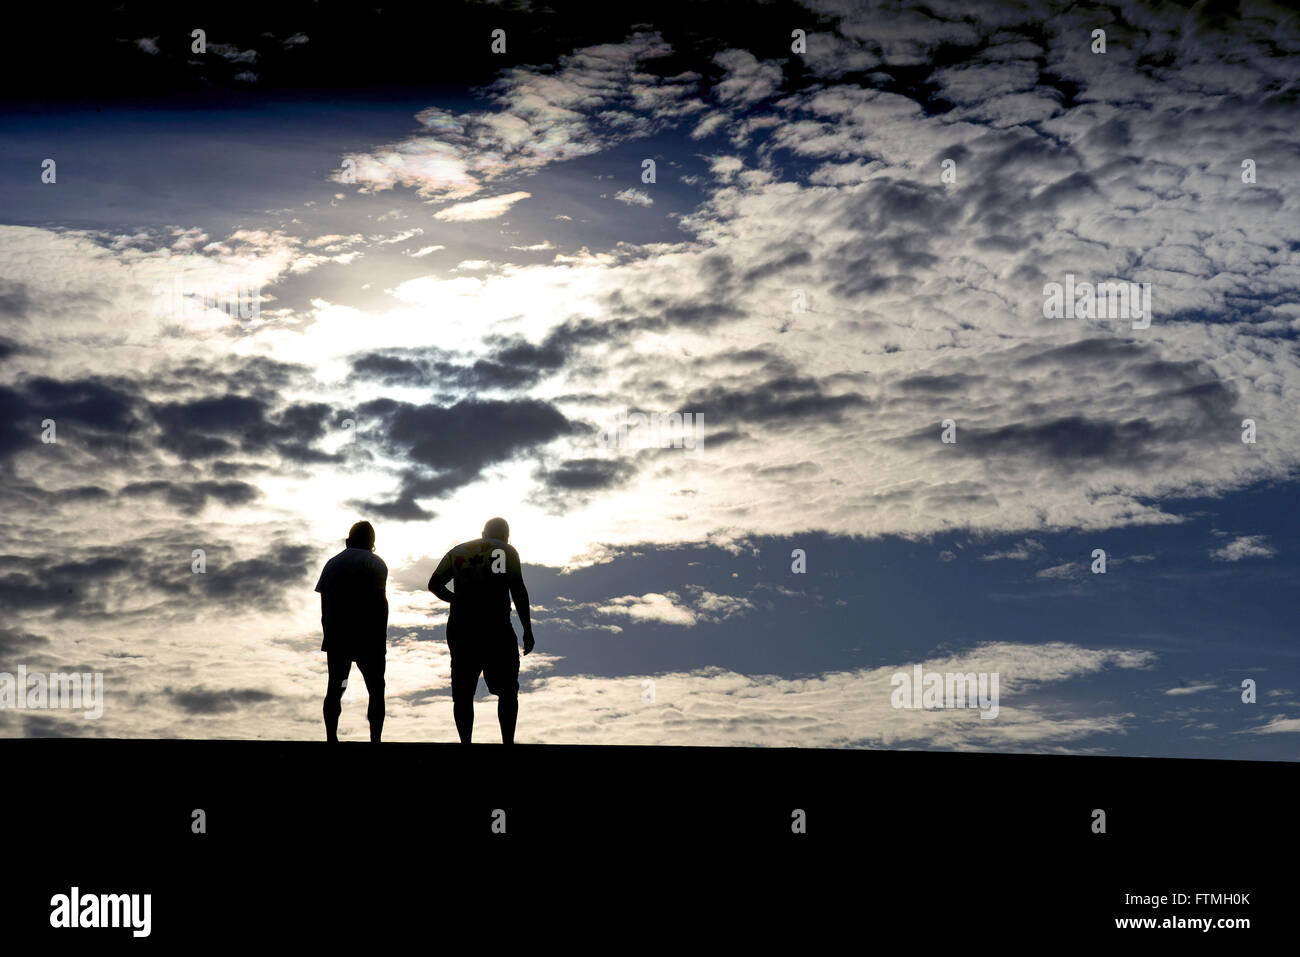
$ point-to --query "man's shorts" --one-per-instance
(499, 668)
(370, 659)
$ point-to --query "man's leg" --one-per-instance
(464, 682)
(339, 665)
(503, 681)
(372, 670)
(463, 709)
(507, 713)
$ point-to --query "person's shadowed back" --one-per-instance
(485, 574)
(354, 616)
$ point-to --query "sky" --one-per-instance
(334, 268)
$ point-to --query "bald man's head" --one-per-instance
(497, 528)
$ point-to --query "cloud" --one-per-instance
(1062, 572)
(449, 446)
(214, 426)
(721, 607)
(397, 237)
(650, 607)
(489, 208)
(775, 400)
(1243, 546)
(13, 642)
(746, 81)
(201, 700)
(595, 98)
(587, 475)
(699, 606)
(232, 53)
(1276, 725)
(191, 498)
(839, 709)
(511, 363)
(1023, 551)
(1080, 424)
(634, 197)
(92, 412)
(823, 301)
(100, 578)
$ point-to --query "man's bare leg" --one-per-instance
(507, 713)
(340, 667)
(464, 713)
(333, 708)
(372, 670)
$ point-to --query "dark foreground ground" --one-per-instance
(613, 848)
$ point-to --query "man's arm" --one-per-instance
(381, 606)
(320, 587)
(441, 575)
(520, 596)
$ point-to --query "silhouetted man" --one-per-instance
(485, 576)
(354, 615)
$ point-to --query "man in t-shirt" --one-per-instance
(354, 615)
(485, 575)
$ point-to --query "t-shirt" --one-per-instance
(481, 573)
(354, 612)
